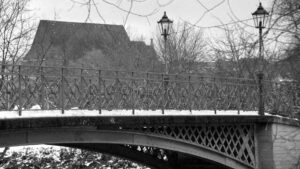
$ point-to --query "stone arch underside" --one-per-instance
(73, 135)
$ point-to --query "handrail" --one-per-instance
(124, 71)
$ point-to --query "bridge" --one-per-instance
(160, 120)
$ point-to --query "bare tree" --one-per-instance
(289, 66)
(286, 19)
(286, 23)
(15, 39)
(185, 48)
(236, 55)
(15, 31)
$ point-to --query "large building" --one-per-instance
(89, 45)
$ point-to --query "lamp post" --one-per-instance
(260, 20)
(165, 25)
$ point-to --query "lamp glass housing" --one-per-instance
(260, 17)
(165, 25)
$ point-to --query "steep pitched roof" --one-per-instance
(69, 43)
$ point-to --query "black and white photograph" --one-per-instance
(149, 84)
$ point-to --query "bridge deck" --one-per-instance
(37, 113)
(78, 113)
(225, 133)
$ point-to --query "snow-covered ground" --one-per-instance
(53, 154)
(35, 148)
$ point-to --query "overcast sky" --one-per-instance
(178, 10)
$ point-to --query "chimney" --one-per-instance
(151, 42)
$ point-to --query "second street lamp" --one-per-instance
(260, 20)
(165, 25)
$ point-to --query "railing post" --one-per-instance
(189, 94)
(99, 91)
(62, 91)
(42, 88)
(132, 93)
(166, 85)
(239, 97)
(163, 95)
(147, 90)
(261, 106)
(215, 96)
(90, 93)
(7, 98)
(116, 90)
(177, 91)
(295, 96)
(81, 103)
(20, 90)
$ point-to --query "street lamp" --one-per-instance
(165, 25)
(260, 20)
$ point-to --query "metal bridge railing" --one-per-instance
(65, 88)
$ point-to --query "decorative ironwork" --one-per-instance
(21, 87)
(233, 140)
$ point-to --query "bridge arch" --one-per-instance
(73, 135)
(124, 151)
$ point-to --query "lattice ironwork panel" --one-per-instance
(70, 88)
(64, 88)
(233, 140)
(9, 93)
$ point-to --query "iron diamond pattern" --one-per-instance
(233, 140)
(22, 86)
